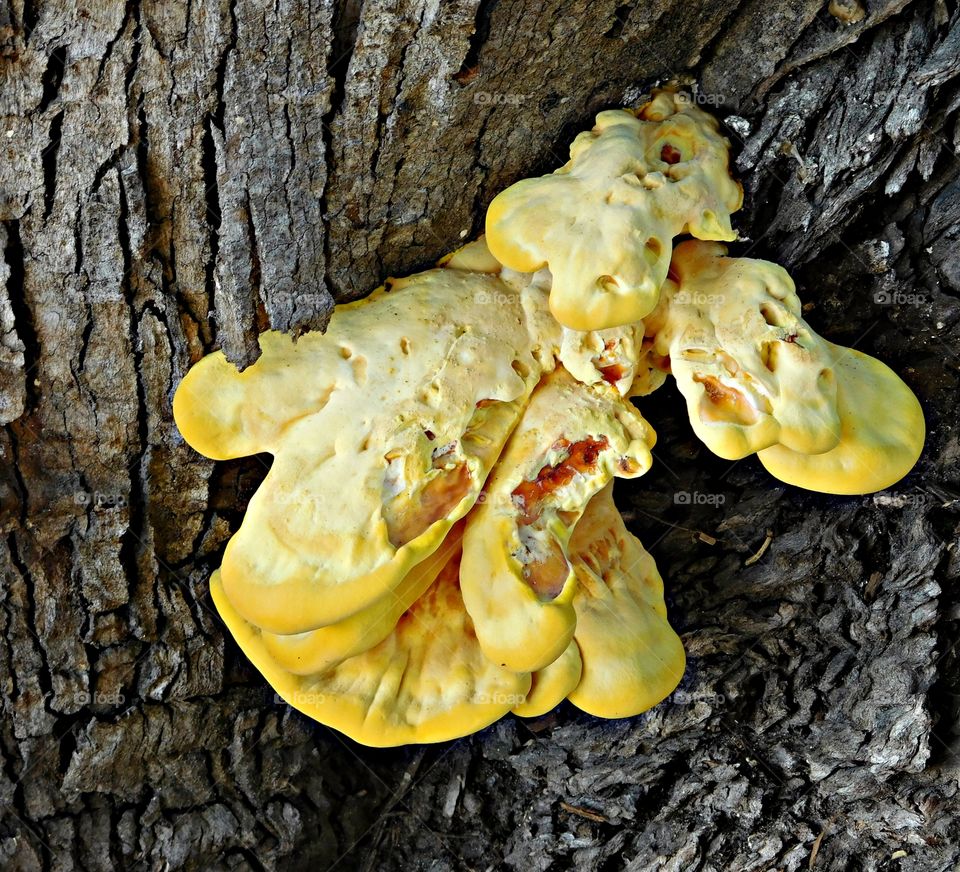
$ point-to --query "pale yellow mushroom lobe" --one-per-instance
(631, 656)
(516, 579)
(880, 436)
(757, 378)
(549, 686)
(752, 371)
(424, 681)
(604, 222)
(383, 431)
(318, 651)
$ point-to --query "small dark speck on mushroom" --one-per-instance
(669, 154)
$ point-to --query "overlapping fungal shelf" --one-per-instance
(436, 544)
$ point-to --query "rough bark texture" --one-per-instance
(177, 175)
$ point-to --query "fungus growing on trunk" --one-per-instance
(752, 371)
(426, 681)
(516, 577)
(880, 437)
(383, 431)
(604, 223)
(436, 544)
(632, 658)
(758, 378)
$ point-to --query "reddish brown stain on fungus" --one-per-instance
(581, 457)
(436, 500)
(669, 154)
(729, 404)
(547, 577)
(613, 373)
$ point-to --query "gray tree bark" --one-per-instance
(177, 175)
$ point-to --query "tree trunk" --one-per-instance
(178, 175)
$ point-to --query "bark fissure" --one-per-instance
(621, 15)
(481, 32)
(213, 217)
(52, 77)
(50, 163)
(23, 333)
(128, 13)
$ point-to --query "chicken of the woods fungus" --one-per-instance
(436, 544)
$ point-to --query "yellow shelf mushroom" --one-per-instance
(551, 685)
(316, 651)
(383, 431)
(436, 544)
(881, 432)
(516, 578)
(427, 681)
(632, 658)
(757, 378)
(753, 372)
(604, 222)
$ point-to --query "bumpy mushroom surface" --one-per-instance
(604, 222)
(516, 579)
(632, 658)
(752, 371)
(612, 355)
(436, 543)
(881, 432)
(383, 431)
(427, 681)
(620, 356)
(757, 378)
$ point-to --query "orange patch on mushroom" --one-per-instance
(613, 373)
(669, 154)
(438, 498)
(725, 402)
(581, 457)
(547, 577)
